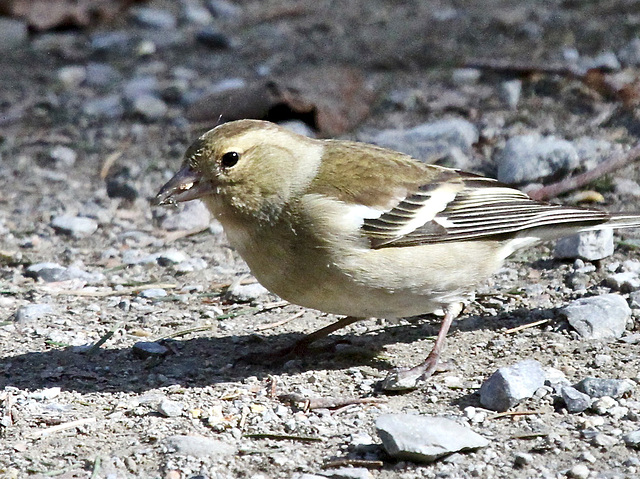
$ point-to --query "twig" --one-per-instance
(516, 413)
(526, 326)
(184, 332)
(93, 349)
(64, 426)
(328, 402)
(569, 184)
(121, 292)
(264, 327)
(108, 163)
(353, 463)
(172, 236)
(283, 437)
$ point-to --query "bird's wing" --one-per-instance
(472, 208)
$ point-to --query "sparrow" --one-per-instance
(361, 231)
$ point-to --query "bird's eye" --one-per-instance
(229, 159)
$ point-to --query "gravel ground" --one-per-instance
(93, 122)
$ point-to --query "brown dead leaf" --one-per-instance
(48, 14)
(331, 99)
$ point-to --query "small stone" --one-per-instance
(195, 13)
(48, 272)
(105, 107)
(604, 440)
(72, 76)
(63, 156)
(601, 360)
(630, 54)
(193, 216)
(603, 404)
(76, 226)
(246, 293)
(223, 9)
(347, 473)
(625, 282)
(153, 18)
(13, 33)
(45, 394)
(632, 439)
(198, 447)
(153, 293)
(509, 385)
(528, 158)
(589, 245)
(170, 257)
(509, 92)
(596, 387)
(598, 317)
(31, 312)
(169, 408)
(150, 107)
(101, 75)
(139, 86)
(522, 459)
(579, 471)
(212, 38)
(465, 76)
(424, 438)
(574, 400)
(110, 41)
(148, 349)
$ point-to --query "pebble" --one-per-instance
(603, 404)
(509, 92)
(509, 385)
(606, 60)
(172, 256)
(101, 75)
(76, 226)
(425, 438)
(51, 272)
(150, 107)
(148, 349)
(632, 439)
(465, 76)
(31, 312)
(121, 186)
(152, 293)
(579, 471)
(522, 459)
(529, 158)
(116, 41)
(597, 387)
(72, 76)
(347, 473)
(169, 408)
(430, 139)
(630, 53)
(153, 18)
(574, 400)
(625, 282)
(140, 85)
(63, 156)
(198, 447)
(194, 12)
(194, 215)
(246, 293)
(211, 37)
(46, 394)
(598, 317)
(592, 151)
(104, 107)
(13, 33)
(223, 8)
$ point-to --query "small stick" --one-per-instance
(121, 292)
(93, 349)
(64, 426)
(570, 184)
(328, 402)
(264, 327)
(283, 437)
(526, 326)
(353, 463)
(176, 235)
(516, 413)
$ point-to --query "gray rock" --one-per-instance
(630, 54)
(169, 408)
(194, 215)
(153, 18)
(150, 107)
(529, 158)
(574, 400)
(522, 459)
(246, 293)
(149, 349)
(430, 139)
(192, 264)
(101, 75)
(590, 245)
(13, 33)
(194, 12)
(598, 317)
(465, 76)
(223, 9)
(198, 447)
(31, 312)
(509, 92)
(597, 387)
(347, 473)
(104, 107)
(509, 385)
(72, 76)
(153, 293)
(139, 86)
(76, 226)
(632, 439)
(63, 156)
(171, 256)
(624, 282)
(47, 272)
(424, 438)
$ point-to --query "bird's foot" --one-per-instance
(402, 379)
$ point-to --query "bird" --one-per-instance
(362, 231)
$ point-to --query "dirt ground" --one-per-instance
(68, 410)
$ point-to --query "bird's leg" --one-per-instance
(401, 379)
(301, 346)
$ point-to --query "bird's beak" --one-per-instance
(187, 184)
